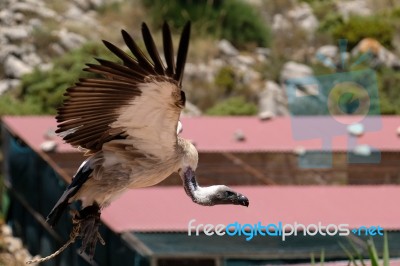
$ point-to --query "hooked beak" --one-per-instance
(241, 200)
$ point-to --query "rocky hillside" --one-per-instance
(220, 77)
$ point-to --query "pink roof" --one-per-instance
(33, 129)
(214, 134)
(170, 209)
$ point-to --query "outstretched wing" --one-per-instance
(140, 99)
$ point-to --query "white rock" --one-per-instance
(19, 17)
(356, 129)
(4, 86)
(246, 60)
(303, 16)
(328, 55)
(48, 146)
(353, 7)
(31, 59)
(84, 5)
(302, 78)
(266, 115)
(362, 150)
(251, 79)
(16, 33)
(272, 100)
(293, 70)
(217, 63)
(330, 51)
(45, 66)
(36, 7)
(15, 68)
(191, 110)
(239, 135)
(299, 150)
(70, 40)
(9, 49)
(3, 40)
(6, 17)
(200, 71)
(58, 49)
(74, 12)
(262, 53)
(226, 48)
(280, 23)
(35, 23)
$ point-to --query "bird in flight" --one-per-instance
(127, 121)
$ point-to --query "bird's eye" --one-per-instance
(229, 193)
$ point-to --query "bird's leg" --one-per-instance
(87, 222)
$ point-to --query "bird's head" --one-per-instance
(221, 194)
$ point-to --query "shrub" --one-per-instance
(233, 20)
(233, 106)
(12, 106)
(357, 28)
(42, 91)
(389, 91)
(225, 80)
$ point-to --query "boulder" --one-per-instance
(328, 55)
(15, 67)
(226, 48)
(8, 84)
(31, 59)
(303, 16)
(4, 86)
(9, 49)
(353, 7)
(272, 101)
(70, 40)
(35, 7)
(302, 77)
(16, 33)
(6, 17)
(280, 23)
(191, 110)
(292, 70)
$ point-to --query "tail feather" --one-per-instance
(79, 179)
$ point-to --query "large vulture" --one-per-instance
(127, 121)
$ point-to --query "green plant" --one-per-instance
(355, 255)
(321, 258)
(41, 91)
(234, 20)
(233, 106)
(330, 22)
(10, 105)
(389, 90)
(225, 80)
(357, 28)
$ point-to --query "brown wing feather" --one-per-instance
(88, 115)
